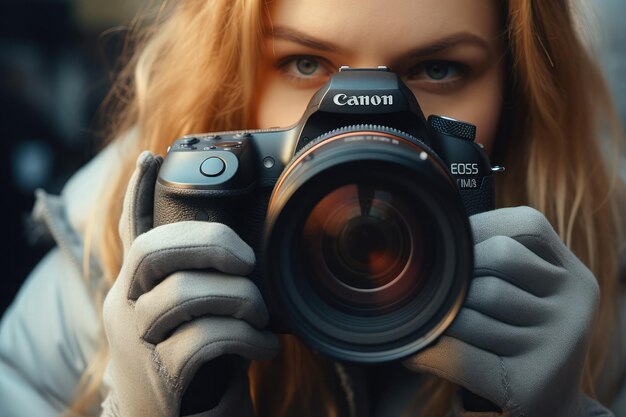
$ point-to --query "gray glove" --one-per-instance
(171, 313)
(521, 337)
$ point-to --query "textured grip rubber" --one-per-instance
(480, 200)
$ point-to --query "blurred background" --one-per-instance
(56, 64)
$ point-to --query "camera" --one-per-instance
(358, 213)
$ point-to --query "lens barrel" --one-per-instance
(367, 245)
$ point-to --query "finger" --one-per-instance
(201, 340)
(531, 228)
(190, 245)
(506, 258)
(137, 211)
(505, 302)
(524, 224)
(186, 295)
(509, 221)
(491, 335)
(463, 364)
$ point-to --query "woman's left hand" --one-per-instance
(521, 337)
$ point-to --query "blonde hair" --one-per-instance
(194, 70)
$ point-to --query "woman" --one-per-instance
(515, 69)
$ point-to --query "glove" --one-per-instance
(521, 337)
(171, 313)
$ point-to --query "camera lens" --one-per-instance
(363, 244)
(357, 242)
(368, 251)
(367, 245)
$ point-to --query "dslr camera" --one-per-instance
(358, 214)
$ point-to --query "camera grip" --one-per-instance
(482, 199)
(173, 205)
(242, 210)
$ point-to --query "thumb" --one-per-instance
(138, 207)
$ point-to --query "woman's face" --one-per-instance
(448, 52)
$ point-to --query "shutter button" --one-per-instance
(212, 167)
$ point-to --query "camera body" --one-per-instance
(247, 179)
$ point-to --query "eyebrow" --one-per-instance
(294, 35)
(449, 42)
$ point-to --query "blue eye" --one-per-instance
(307, 66)
(306, 71)
(438, 76)
(438, 70)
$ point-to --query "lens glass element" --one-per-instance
(364, 247)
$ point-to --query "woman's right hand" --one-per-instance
(180, 303)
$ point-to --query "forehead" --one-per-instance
(385, 26)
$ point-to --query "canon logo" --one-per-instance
(345, 100)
